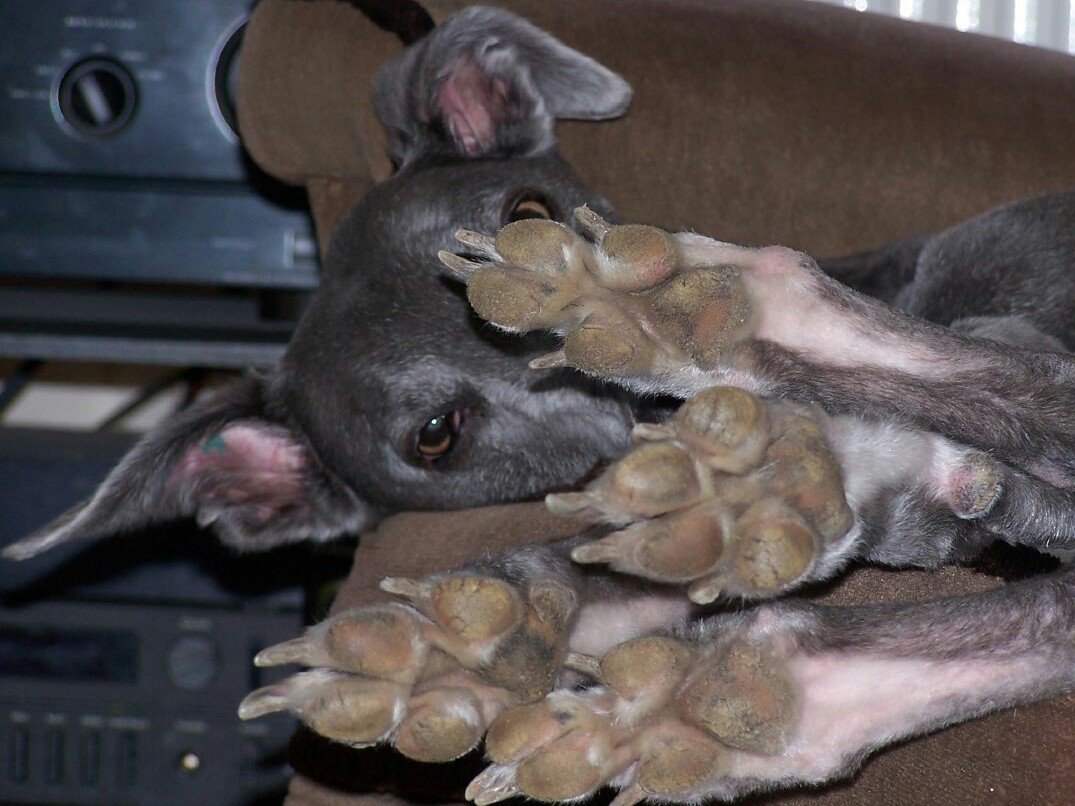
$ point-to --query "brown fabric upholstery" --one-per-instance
(757, 122)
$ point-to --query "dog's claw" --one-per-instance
(478, 241)
(568, 503)
(650, 432)
(268, 700)
(579, 662)
(629, 796)
(460, 267)
(733, 495)
(407, 588)
(297, 650)
(551, 361)
(595, 553)
(494, 784)
(592, 222)
(705, 591)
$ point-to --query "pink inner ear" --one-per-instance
(246, 464)
(472, 104)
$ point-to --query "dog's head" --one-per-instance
(392, 395)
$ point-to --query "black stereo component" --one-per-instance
(112, 704)
(122, 662)
(119, 162)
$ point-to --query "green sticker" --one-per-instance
(215, 444)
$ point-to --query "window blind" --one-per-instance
(1043, 23)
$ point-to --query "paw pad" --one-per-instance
(541, 245)
(744, 700)
(637, 258)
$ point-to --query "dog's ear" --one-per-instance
(225, 461)
(486, 83)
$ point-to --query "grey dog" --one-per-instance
(934, 375)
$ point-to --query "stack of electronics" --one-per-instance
(119, 163)
(134, 229)
(122, 663)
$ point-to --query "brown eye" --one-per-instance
(529, 207)
(438, 435)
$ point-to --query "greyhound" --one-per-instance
(893, 407)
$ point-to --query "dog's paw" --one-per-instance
(428, 676)
(627, 305)
(668, 719)
(735, 495)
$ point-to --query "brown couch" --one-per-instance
(757, 122)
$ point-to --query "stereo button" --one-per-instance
(192, 662)
(18, 755)
(97, 97)
(89, 758)
(126, 759)
(54, 756)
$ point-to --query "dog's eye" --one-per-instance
(528, 206)
(438, 435)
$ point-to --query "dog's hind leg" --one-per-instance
(787, 694)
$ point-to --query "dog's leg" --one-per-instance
(787, 694)
(742, 496)
(674, 314)
(677, 313)
(428, 674)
